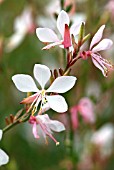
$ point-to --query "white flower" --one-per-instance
(47, 35)
(104, 138)
(25, 83)
(4, 158)
(43, 124)
(23, 24)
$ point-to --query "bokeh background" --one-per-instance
(26, 152)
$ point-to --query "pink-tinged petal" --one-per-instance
(46, 35)
(4, 158)
(24, 83)
(62, 19)
(42, 74)
(96, 61)
(105, 44)
(56, 126)
(1, 133)
(29, 99)
(67, 38)
(86, 109)
(75, 29)
(62, 84)
(43, 118)
(34, 130)
(57, 103)
(47, 47)
(74, 117)
(102, 64)
(97, 37)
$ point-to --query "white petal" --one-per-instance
(56, 126)
(47, 47)
(105, 44)
(46, 35)
(62, 84)
(57, 103)
(24, 83)
(97, 37)
(14, 41)
(44, 118)
(75, 28)
(62, 19)
(42, 74)
(3, 158)
(1, 132)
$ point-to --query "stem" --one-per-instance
(10, 126)
(69, 65)
(19, 120)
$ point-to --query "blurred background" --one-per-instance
(90, 146)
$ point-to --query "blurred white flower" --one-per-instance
(4, 158)
(104, 138)
(23, 24)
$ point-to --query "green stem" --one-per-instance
(19, 120)
(10, 126)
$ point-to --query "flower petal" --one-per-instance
(62, 84)
(98, 63)
(14, 41)
(97, 37)
(34, 130)
(42, 74)
(75, 28)
(86, 109)
(4, 158)
(67, 38)
(1, 133)
(62, 19)
(46, 35)
(105, 44)
(56, 126)
(24, 83)
(47, 47)
(57, 103)
(29, 99)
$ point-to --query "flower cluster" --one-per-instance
(45, 91)
(44, 99)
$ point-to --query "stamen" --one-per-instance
(34, 110)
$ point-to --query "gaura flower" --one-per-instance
(47, 35)
(42, 74)
(4, 158)
(43, 124)
(23, 24)
(86, 109)
(104, 138)
(98, 45)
